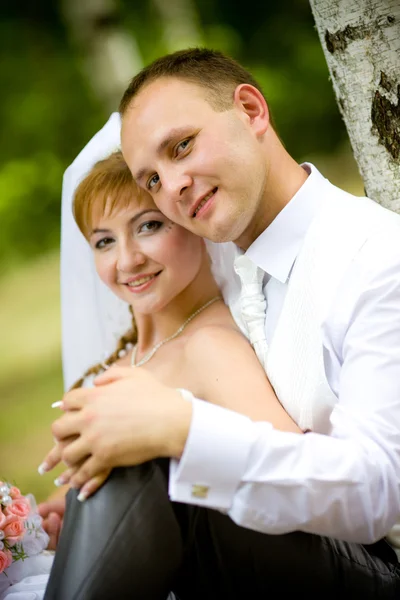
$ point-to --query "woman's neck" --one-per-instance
(156, 327)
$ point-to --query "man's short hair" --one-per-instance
(210, 69)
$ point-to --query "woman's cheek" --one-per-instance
(104, 271)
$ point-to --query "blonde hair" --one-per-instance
(108, 185)
(130, 337)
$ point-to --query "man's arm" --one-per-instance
(344, 485)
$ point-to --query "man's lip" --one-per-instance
(199, 201)
(137, 277)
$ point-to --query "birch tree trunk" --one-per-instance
(110, 54)
(180, 24)
(361, 43)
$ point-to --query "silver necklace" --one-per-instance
(148, 356)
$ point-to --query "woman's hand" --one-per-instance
(89, 488)
(53, 459)
(127, 419)
(52, 513)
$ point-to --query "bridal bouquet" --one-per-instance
(22, 536)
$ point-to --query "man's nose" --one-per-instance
(130, 257)
(176, 182)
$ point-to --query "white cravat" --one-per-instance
(253, 305)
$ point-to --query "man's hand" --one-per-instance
(129, 418)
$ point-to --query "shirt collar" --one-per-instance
(276, 249)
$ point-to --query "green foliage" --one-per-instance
(278, 43)
(49, 112)
(47, 116)
(30, 371)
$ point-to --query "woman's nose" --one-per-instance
(130, 258)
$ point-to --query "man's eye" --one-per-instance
(153, 181)
(103, 243)
(181, 147)
(150, 226)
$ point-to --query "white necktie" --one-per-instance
(253, 305)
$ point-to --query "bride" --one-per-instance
(182, 332)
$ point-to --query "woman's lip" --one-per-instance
(137, 289)
(137, 277)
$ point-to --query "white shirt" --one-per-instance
(345, 485)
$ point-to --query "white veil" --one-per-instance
(92, 317)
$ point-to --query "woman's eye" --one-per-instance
(103, 243)
(150, 226)
(153, 181)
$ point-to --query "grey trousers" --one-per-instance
(130, 541)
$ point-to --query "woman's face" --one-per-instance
(144, 258)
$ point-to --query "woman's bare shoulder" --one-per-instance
(215, 341)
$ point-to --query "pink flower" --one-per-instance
(5, 559)
(2, 519)
(15, 492)
(20, 508)
(14, 529)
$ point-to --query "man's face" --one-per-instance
(204, 169)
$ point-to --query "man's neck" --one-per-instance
(283, 181)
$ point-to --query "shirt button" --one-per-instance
(200, 491)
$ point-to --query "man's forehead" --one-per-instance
(160, 111)
(166, 94)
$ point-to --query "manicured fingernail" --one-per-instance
(43, 468)
(57, 404)
(59, 482)
(82, 496)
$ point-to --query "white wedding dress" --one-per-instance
(33, 587)
(33, 584)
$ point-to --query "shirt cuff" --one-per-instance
(214, 459)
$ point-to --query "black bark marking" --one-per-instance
(385, 117)
(338, 41)
(385, 82)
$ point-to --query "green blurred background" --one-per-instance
(64, 66)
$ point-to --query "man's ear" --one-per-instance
(251, 103)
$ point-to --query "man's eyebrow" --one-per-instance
(164, 143)
(134, 218)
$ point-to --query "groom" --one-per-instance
(197, 134)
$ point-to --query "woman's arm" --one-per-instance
(219, 366)
(223, 369)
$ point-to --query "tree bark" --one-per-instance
(110, 54)
(361, 43)
(180, 24)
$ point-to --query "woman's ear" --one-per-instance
(252, 104)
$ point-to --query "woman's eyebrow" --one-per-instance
(98, 231)
(132, 220)
(143, 212)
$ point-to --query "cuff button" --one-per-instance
(200, 491)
